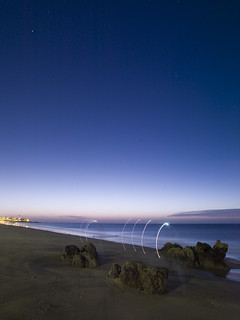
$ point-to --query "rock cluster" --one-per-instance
(85, 257)
(202, 256)
(137, 275)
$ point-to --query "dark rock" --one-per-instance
(79, 261)
(168, 246)
(135, 274)
(71, 250)
(114, 272)
(189, 254)
(131, 273)
(90, 254)
(155, 280)
(184, 255)
(203, 247)
(220, 249)
(85, 257)
(202, 256)
(177, 253)
(211, 259)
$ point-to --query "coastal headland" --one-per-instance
(37, 284)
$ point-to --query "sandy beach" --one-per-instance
(37, 284)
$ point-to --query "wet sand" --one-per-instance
(36, 284)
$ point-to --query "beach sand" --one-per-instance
(36, 284)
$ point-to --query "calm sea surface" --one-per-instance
(184, 234)
(133, 234)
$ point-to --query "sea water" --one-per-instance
(131, 234)
(184, 234)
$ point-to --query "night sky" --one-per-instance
(119, 108)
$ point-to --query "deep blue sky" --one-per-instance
(119, 108)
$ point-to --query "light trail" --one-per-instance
(143, 235)
(164, 224)
(93, 221)
(132, 234)
(81, 227)
(123, 232)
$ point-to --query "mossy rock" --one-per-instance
(177, 254)
(131, 273)
(220, 249)
(169, 246)
(85, 257)
(135, 274)
(114, 272)
(189, 254)
(155, 280)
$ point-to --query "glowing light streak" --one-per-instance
(132, 234)
(93, 221)
(81, 227)
(123, 232)
(143, 235)
(164, 224)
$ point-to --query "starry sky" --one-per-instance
(119, 108)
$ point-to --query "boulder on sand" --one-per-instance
(168, 246)
(90, 254)
(190, 258)
(114, 272)
(85, 257)
(202, 256)
(211, 259)
(220, 249)
(176, 253)
(135, 274)
(132, 273)
(71, 251)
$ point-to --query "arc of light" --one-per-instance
(143, 235)
(81, 227)
(88, 226)
(164, 224)
(132, 233)
(123, 232)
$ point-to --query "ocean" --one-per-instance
(131, 235)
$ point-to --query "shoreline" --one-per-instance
(36, 284)
(232, 262)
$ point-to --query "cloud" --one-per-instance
(221, 215)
